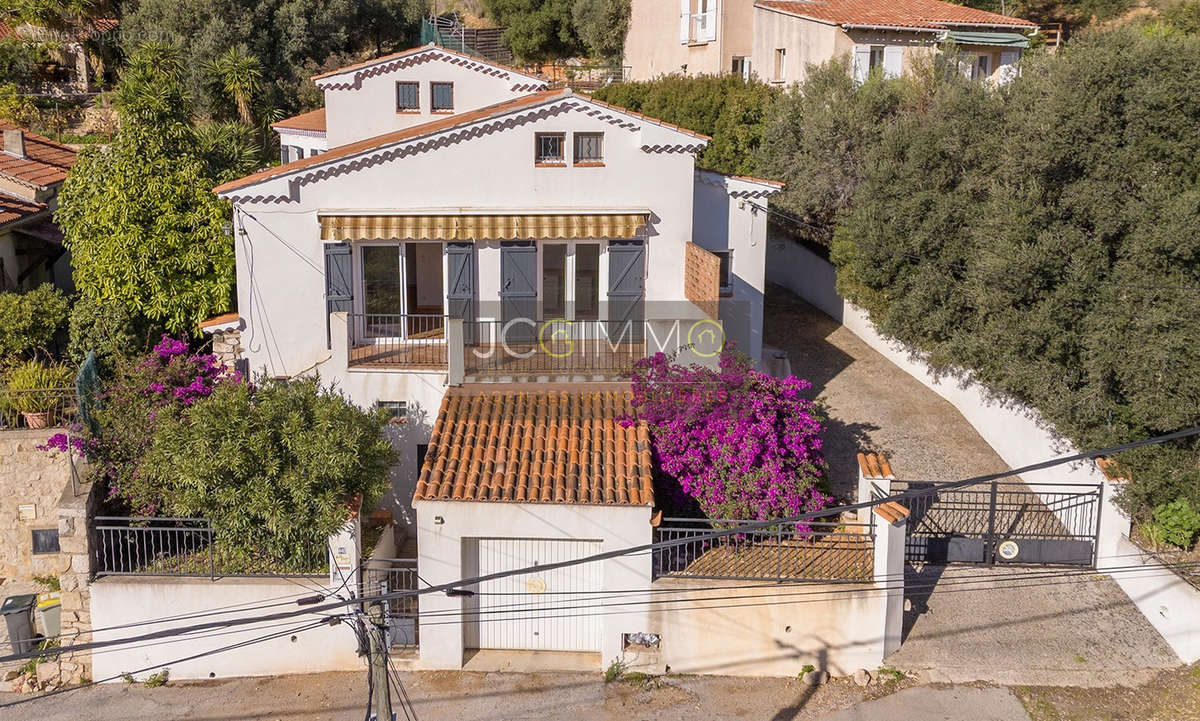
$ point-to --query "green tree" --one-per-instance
(29, 321)
(240, 76)
(731, 110)
(601, 25)
(537, 29)
(139, 217)
(274, 467)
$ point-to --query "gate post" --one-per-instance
(989, 543)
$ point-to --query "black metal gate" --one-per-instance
(388, 575)
(1013, 523)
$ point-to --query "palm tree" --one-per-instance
(240, 75)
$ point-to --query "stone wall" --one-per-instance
(227, 346)
(74, 575)
(31, 483)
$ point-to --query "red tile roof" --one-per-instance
(13, 209)
(924, 14)
(521, 444)
(416, 131)
(312, 120)
(45, 163)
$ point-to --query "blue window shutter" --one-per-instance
(339, 283)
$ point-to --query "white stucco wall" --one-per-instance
(309, 141)
(721, 221)
(117, 601)
(806, 42)
(441, 560)
(370, 108)
(1020, 437)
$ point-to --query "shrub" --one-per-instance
(106, 329)
(28, 321)
(740, 443)
(1176, 523)
(273, 467)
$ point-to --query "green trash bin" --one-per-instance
(18, 617)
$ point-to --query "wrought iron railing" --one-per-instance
(811, 551)
(400, 340)
(388, 575)
(145, 546)
(554, 347)
(39, 408)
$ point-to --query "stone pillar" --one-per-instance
(227, 346)
(75, 572)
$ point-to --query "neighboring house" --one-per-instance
(301, 136)
(70, 70)
(789, 36)
(465, 233)
(32, 168)
(775, 39)
(691, 37)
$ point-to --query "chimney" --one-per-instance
(14, 142)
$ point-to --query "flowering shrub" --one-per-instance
(740, 443)
(148, 392)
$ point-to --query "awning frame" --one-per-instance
(482, 226)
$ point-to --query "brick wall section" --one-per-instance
(702, 279)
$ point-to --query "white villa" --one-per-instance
(446, 230)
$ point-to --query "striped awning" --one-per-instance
(482, 227)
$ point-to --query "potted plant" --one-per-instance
(35, 391)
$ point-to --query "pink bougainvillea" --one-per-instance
(742, 444)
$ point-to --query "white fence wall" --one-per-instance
(121, 600)
(1019, 436)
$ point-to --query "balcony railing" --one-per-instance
(395, 340)
(40, 408)
(553, 348)
(147, 546)
(813, 551)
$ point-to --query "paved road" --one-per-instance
(466, 696)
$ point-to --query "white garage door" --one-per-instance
(525, 611)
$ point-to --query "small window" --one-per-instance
(780, 64)
(741, 67)
(422, 451)
(408, 97)
(982, 67)
(397, 410)
(876, 57)
(285, 153)
(45, 540)
(589, 148)
(441, 97)
(298, 153)
(726, 269)
(549, 148)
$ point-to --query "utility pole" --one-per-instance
(381, 702)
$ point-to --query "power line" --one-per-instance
(616, 553)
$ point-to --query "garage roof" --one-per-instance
(538, 444)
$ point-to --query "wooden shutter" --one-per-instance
(685, 21)
(710, 21)
(460, 296)
(339, 283)
(626, 289)
(893, 61)
(518, 287)
(862, 62)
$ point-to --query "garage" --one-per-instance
(526, 611)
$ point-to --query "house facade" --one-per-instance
(449, 229)
(32, 169)
(885, 37)
(690, 37)
(774, 40)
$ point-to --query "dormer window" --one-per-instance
(548, 148)
(441, 97)
(408, 97)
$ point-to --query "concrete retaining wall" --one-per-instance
(120, 600)
(1017, 434)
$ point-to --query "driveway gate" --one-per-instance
(1015, 523)
(388, 575)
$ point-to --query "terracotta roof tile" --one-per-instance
(13, 209)
(45, 163)
(524, 445)
(874, 465)
(314, 120)
(924, 14)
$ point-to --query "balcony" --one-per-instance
(411, 341)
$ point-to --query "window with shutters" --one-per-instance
(697, 21)
(549, 149)
(441, 97)
(408, 97)
(741, 67)
(780, 64)
(876, 58)
(589, 149)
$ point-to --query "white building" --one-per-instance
(450, 226)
